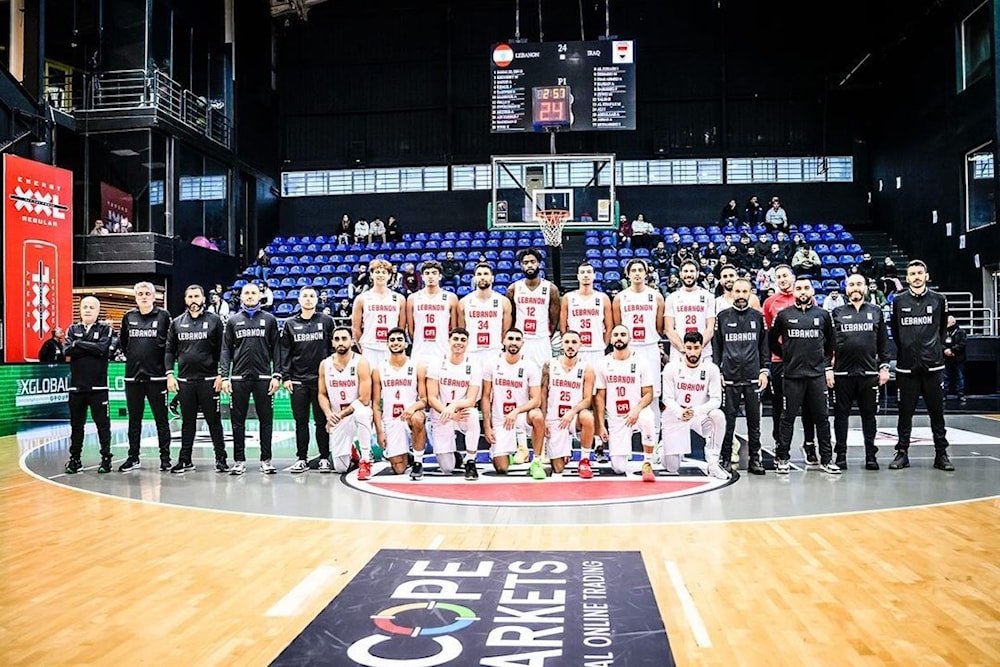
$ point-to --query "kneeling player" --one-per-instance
(397, 388)
(453, 385)
(511, 395)
(567, 388)
(345, 392)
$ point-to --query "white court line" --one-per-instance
(687, 603)
(313, 584)
(436, 542)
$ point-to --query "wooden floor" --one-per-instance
(94, 580)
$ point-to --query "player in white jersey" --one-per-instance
(453, 385)
(345, 393)
(536, 307)
(691, 308)
(430, 314)
(511, 395)
(486, 314)
(588, 312)
(375, 312)
(692, 396)
(567, 390)
(399, 405)
(727, 278)
(624, 389)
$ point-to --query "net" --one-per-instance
(551, 223)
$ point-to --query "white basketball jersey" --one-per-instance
(691, 387)
(454, 379)
(378, 315)
(721, 304)
(399, 387)
(484, 320)
(431, 323)
(342, 386)
(510, 384)
(531, 309)
(585, 315)
(623, 380)
(690, 311)
(638, 312)
(565, 388)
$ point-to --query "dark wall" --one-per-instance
(256, 106)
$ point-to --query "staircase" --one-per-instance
(880, 245)
(572, 252)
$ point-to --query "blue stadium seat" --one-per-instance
(612, 276)
(327, 269)
(481, 235)
(470, 265)
(642, 252)
(627, 253)
(598, 277)
(288, 282)
(312, 269)
(837, 248)
(687, 239)
(420, 236)
(822, 249)
(817, 285)
(279, 294)
(698, 230)
(703, 239)
(667, 231)
(847, 260)
(830, 260)
(854, 248)
(408, 238)
(507, 254)
(505, 265)
(283, 309)
(432, 245)
(592, 241)
(336, 281)
(805, 227)
(295, 270)
(611, 263)
(320, 281)
(435, 236)
(451, 236)
(464, 290)
(609, 252)
(279, 270)
(465, 236)
(303, 281)
(427, 256)
(320, 259)
(350, 258)
(821, 228)
(396, 257)
(415, 245)
(836, 227)
(593, 253)
(813, 237)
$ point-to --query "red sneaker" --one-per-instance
(647, 472)
(584, 470)
(364, 470)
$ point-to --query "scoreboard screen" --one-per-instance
(565, 85)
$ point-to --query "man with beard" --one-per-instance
(487, 314)
(741, 352)
(398, 391)
(860, 367)
(803, 337)
(195, 342)
(249, 366)
(588, 312)
(345, 393)
(691, 308)
(453, 386)
(430, 314)
(567, 388)
(536, 307)
(376, 311)
(692, 395)
(511, 395)
(727, 277)
(624, 387)
(305, 343)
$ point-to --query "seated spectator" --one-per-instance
(729, 218)
(776, 219)
(710, 282)
(409, 280)
(833, 300)
(342, 313)
(806, 261)
(763, 245)
(392, 230)
(704, 267)
(325, 300)
(711, 253)
(378, 230)
(360, 281)
(99, 229)
(675, 243)
(866, 266)
(451, 271)
(777, 255)
(682, 255)
(753, 213)
(660, 257)
(751, 260)
(889, 277)
(124, 226)
(673, 283)
(722, 263)
(345, 231)
(262, 265)
(266, 295)
(624, 232)
(217, 305)
(764, 278)
(876, 295)
(694, 250)
(643, 232)
(362, 232)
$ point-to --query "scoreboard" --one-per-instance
(574, 86)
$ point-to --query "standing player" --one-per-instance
(692, 395)
(453, 385)
(249, 365)
(741, 353)
(430, 314)
(345, 394)
(727, 278)
(486, 314)
(143, 339)
(195, 342)
(567, 390)
(536, 307)
(511, 395)
(640, 310)
(376, 311)
(624, 386)
(88, 348)
(588, 312)
(306, 340)
(691, 308)
(860, 367)
(919, 325)
(398, 391)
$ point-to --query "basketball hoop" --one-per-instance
(552, 223)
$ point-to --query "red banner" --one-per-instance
(38, 254)
(116, 209)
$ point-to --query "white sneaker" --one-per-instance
(782, 466)
(715, 470)
(830, 468)
(267, 468)
(238, 468)
(324, 465)
(299, 466)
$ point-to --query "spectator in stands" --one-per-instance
(99, 229)
(217, 305)
(763, 245)
(866, 266)
(360, 281)
(362, 232)
(266, 295)
(342, 314)
(711, 253)
(409, 280)
(660, 257)
(643, 232)
(392, 229)
(753, 212)
(345, 231)
(751, 260)
(876, 295)
(954, 359)
(325, 300)
(889, 277)
(786, 246)
(806, 261)
(675, 243)
(673, 283)
(743, 246)
(682, 255)
(722, 263)
(694, 250)
(709, 282)
(451, 271)
(833, 300)
(729, 218)
(262, 265)
(764, 279)
(776, 219)
(378, 230)
(624, 232)
(125, 226)
(51, 351)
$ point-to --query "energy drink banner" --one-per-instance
(38, 254)
(116, 208)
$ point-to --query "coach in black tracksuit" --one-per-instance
(144, 341)
(195, 343)
(306, 340)
(250, 367)
(740, 350)
(860, 367)
(802, 336)
(919, 325)
(88, 347)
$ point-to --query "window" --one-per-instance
(202, 188)
(976, 36)
(155, 193)
(980, 191)
(836, 169)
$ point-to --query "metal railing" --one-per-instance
(134, 89)
(976, 320)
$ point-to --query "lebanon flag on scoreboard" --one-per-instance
(38, 254)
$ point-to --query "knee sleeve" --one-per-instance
(341, 463)
(671, 462)
(619, 464)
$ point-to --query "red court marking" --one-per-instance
(540, 492)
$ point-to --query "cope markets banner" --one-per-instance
(492, 608)
(38, 254)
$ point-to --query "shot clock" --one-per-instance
(551, 107)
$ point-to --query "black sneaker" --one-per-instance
(942, 462)
(165, 465)
(471, 474)
(73, 466)
(755, 468)
(105, 466)
(221, 465)
(459, 459)
(842, 462)
(961, 398)
(181, 467)
(901, 460)
(417, 471)
(174, 409)
(871, 463)
(600, 455)
(727, 465)
(809, 449)
(129, 465)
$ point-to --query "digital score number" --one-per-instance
(551, 107)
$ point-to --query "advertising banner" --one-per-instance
(116, 209)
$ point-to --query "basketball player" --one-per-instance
(588, 312)
(624, 383)
(487, 314)
(511, 396)
(692, 396)
(727, 277)
(398, 390)
(345, 393)
(567, 390)
(143, 339)
(88, 348)
(195, 342)
(536, 307)
(690, 308)
(430, 314)
(306, 340)
(376, 311)
(249, 366)
(453, 386)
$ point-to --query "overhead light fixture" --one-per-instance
(124, 152)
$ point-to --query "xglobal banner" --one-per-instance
(490, 608)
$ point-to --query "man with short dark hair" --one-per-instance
(51, 351)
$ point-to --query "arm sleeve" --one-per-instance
(827, 340)
(284, 365)
(714, 392)
(774, 336)
(226, 355)
(170, 352)
(882, 341)
(762, 347)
